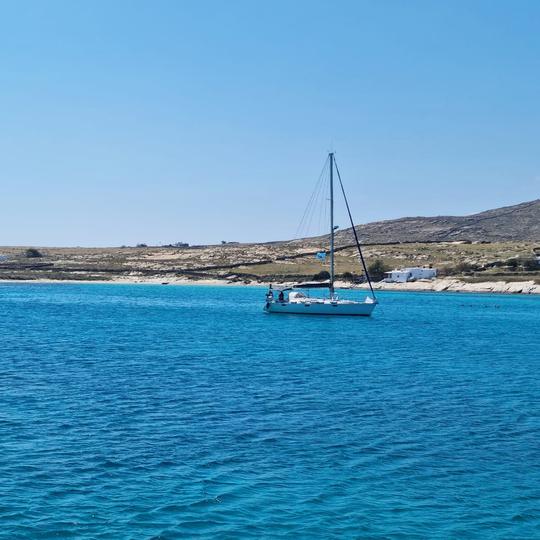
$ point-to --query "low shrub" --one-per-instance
(377, 269)
(530, 265)
(512, 264)
(32, 253)
(323, 275)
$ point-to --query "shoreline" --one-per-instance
(436, 285)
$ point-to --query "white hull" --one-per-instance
(326, 307)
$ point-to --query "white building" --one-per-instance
(410, 274)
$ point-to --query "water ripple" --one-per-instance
(184, 412)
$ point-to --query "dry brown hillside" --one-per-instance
(520, 222)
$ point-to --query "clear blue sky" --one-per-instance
(161, 121)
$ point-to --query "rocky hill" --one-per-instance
(520, 222)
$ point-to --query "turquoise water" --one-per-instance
(179, 412)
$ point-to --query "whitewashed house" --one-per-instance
(410, 274)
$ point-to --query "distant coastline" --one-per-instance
(436, 285)
(511, 267)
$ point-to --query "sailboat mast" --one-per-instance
(331, 223)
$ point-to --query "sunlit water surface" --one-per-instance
(177, 412)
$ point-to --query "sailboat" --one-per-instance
(297, 300)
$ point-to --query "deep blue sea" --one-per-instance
(134, 411)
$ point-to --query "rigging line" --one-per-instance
(316, 202)
(323, 207)
(309, 207)
(326, 206)
(354, 232)
(301, 225)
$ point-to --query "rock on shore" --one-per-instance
(455, 285)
